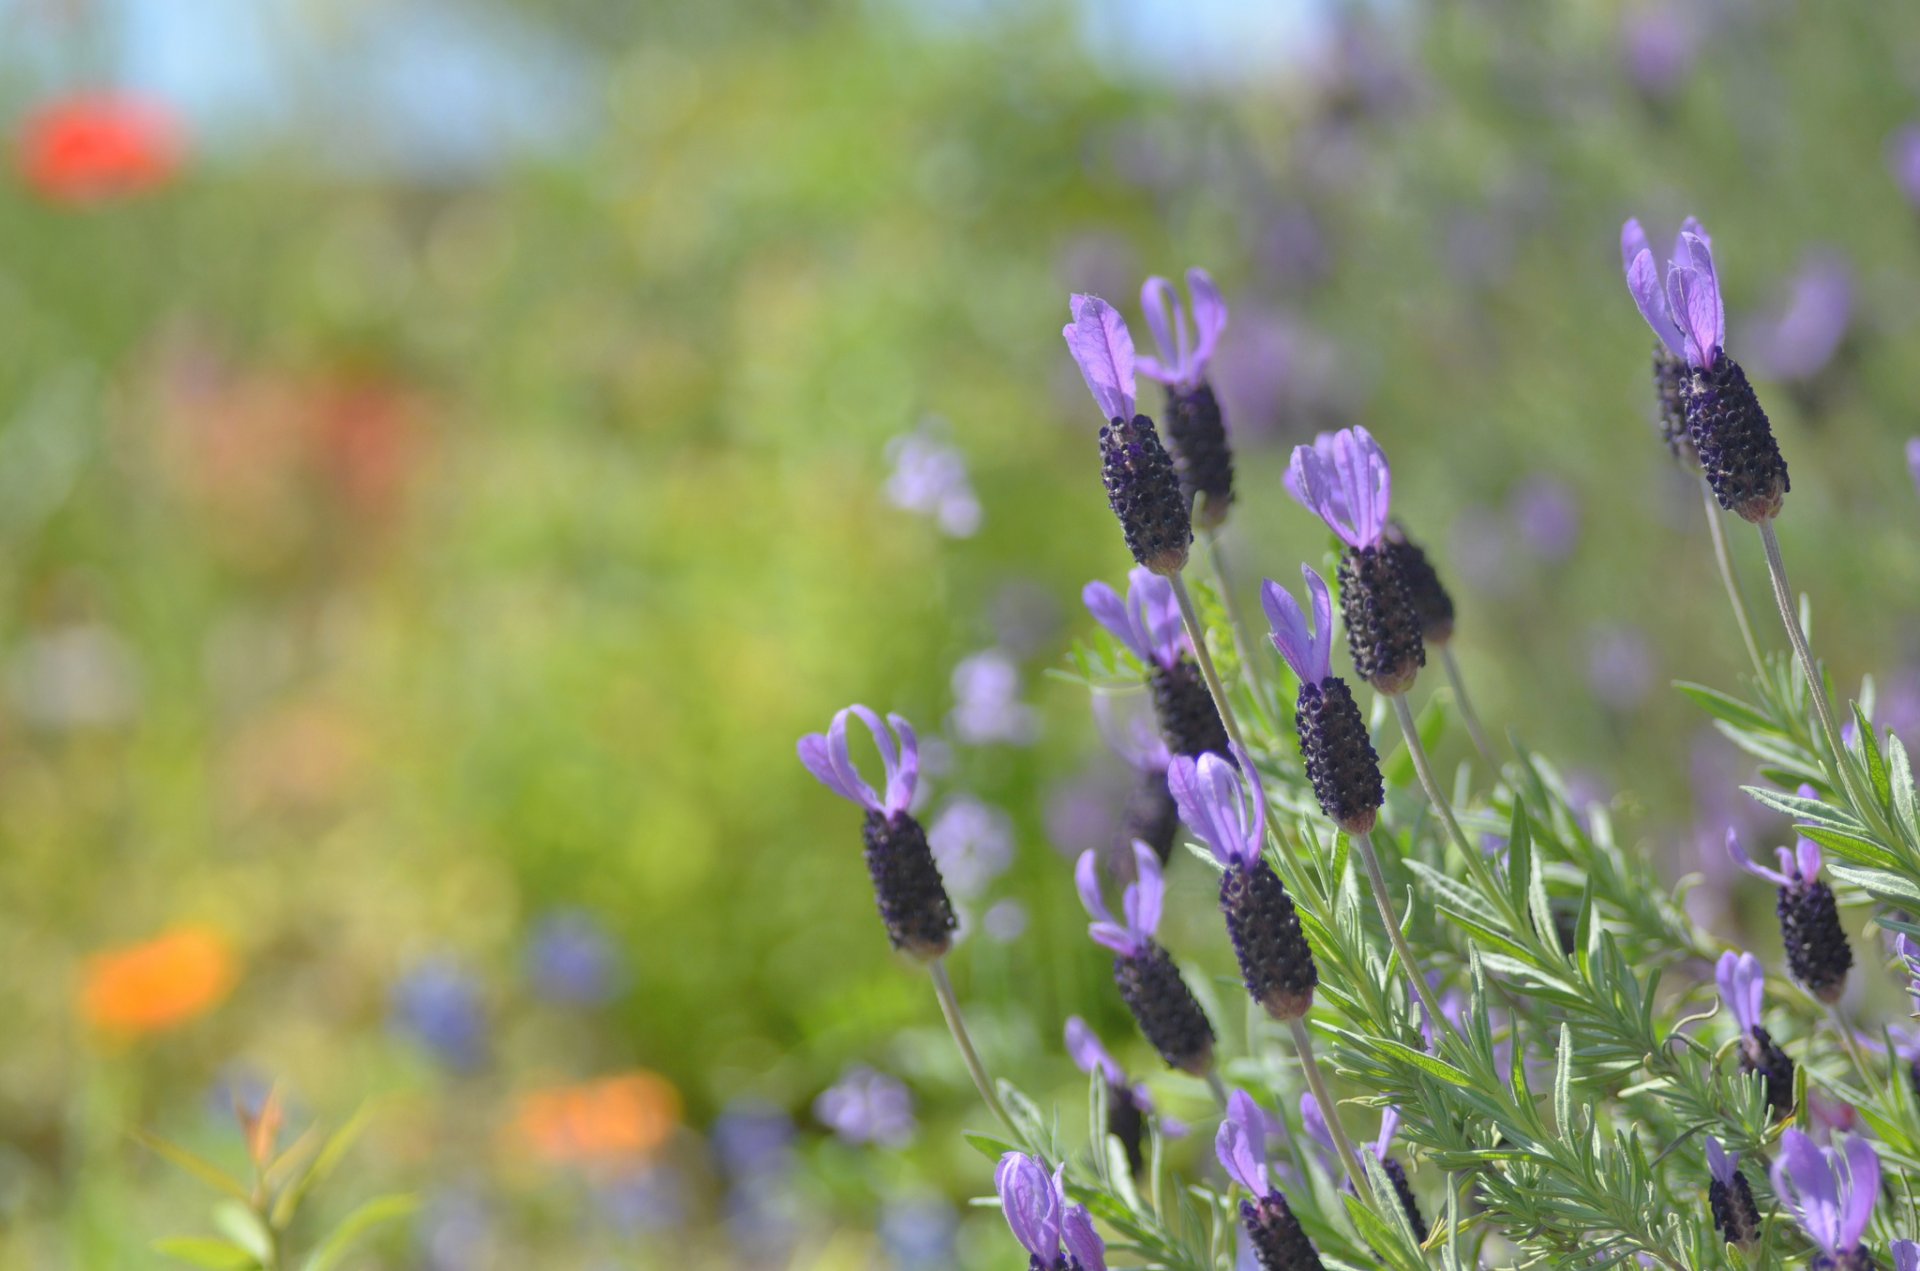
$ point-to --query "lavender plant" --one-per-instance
(1574, 1069)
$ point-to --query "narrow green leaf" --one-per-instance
(379, 1210)
(325, 1161)
(1878, 882)
(1906, 808)
(201, 1168)
(1851, 847)
(1722, 706)
(988, 1146)
(1420, 1059)
(1519, 857)
(1563, 1082)
(1870, 755)
(1806, 809)
(242, 1226)
(206, 1251)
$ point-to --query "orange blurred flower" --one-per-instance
(92, 147)
(147, 988)
(600, 1122)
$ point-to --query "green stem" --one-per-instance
(1384, 900)
(957, 1025)
(1467, 713)
(1216, 560)
(1725, 560)
(1303, 1044)
(1424, 768)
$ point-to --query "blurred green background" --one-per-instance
(449, 452)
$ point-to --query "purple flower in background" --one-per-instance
(1147, 621)
(1005, 921)
(987, 706)
(1307, 646)
(827, 758)
(1658, 48)
(1481, 552)
(1042, 1220)
(1343, 479)
(1800, 340)
(1687, 314)
(866, 1106)
(1140, 903)
(1903, 157)
(1620, 667)
(454, 1231)
(571, 958)
(973, 844)
(438, 1005)
(642, 1201)
(918, 1233)
(1830, 1191)
(930, 478)
(1183, 359)
(1132, 737)
(1081, 811)
(1547, 517)
(754, 1141)
(1913, 461)
(1229, 816)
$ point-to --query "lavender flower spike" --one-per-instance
(1307, 646)
(1730, 1197)
(1140, 903)
(1147, 621)
(1218, 804)
(1346, 483)
(1182, 363)
(1743, 988)
(1816, 943)
(1830, 1192)
(1278, 1242)
(1196, 427)
(1149, 982)
(1036, 1207)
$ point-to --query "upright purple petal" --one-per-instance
(1307, 647)
(1861, 1188)
(817, 757)
(1209, 319)
(1111, 612)
(1720, 1163)
(1906, 1256)
(1241, 1143)
(902, 779)
(1643, 281)
(1031, 1204)
(1693, 291)
(1807, 859)
(1740, 858)
(1145, 894)
(1214, 802)
(1314, 1121)
(1157, 613)
(1083, 1243)
(1742, 987)
(1102, 347)
(1803, 1178)
(1346, 482)
(1389, 1126)
(1161, 306)
(1087, 1052)
(1086, 880)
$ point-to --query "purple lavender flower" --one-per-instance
(1687, 314)
(1620, 669)
(1272, 1231)
(1800, 340)
(918, 1233)
(1658, 47)
(1313, 1119)
(1730, 1197)
(438, 1004)
(1830, 1192)
(972, 842)
(987, 708)
(930, 478)
(906, 882)
(1743, 988)
(1906, 1255)
(754, 1141)
(1903, 157)
(1913, 461)
(1816, 943)
(1147, 621)
(1150, 815)
(1334, 744)
(866, 1106)
(1547, 516)
(570, 958)
(1183, 360)
(1306, 646)
(1228, 812)
(1196, 426)
(1128, 1106)
(1057, 1235)
(1343, 479)
(1140, 904)
(1149, 982)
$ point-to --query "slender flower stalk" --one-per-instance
(1349, 1160)
(1724, 560)
(1423, 768)
(1468, 716)
(957, 1025)
(1236, 626)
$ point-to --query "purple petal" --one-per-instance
(902, 780)
(1241, 1143)
(1289, 631)
(1111, 612)
(1087, 1052)
(1099, 341)
(1156, 615)
(1209, 318)
(1314, 1122)
(1183, 782)
(1365, 482)
(1803, 1177)
(1740, 858)
(1913, 461)
(1741, 987)
(1643, 281)
(815, 755)
(1693, 291)
(1719, 1164)
(1808, 858)
(1691, 226)
(1863, 1186)
(1389, 1126)
(1111, 935)
(843, 762)
(1083, 1242)
(1906, 1256)
(1145, 895)
(1161, 306)
(1086, 879)
(1032, 1207)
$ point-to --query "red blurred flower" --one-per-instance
(92, 147)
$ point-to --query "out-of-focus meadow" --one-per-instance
(445, 464)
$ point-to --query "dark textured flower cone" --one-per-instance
(1735, 442)
(1341, 763)
(906, 882)
(1735, 1216)
(1817, 952)
(1429, 595)
(1397, 1175)
(1197, 439)
(1151, 817)
(1275, 960)
(1189, 721)
(1670, 378)
(1165, 1009)
(1278, 1242)
(1144, 492)
(1126, 1122)
(1383, 629)
(1760, 1053)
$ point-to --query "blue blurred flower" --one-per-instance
(753, 1140)
(1620, 665)
(1799, 339)
(638, 1202)
(987, 706)
(1547, 516)
(973, 843)
(866, 1106)
(917, 1232)
(454, 1231)
(438, 1004)
(1658, 47)
(930, 478)
(571, 958)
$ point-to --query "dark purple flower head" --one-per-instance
(1903, 156)
(1101, 345)
(1042, 1221)
(1721, 1163)
(1147, 621)
(1830, 1191)
(1743, 987)
(1687, 314)
(1183, 360)
(1140, 903)
(1798, 864)
(1241, 1143)
(1798, 341)
(1089, 1055)
(826, 757)
(1227, 814)
(1343, 479)
(1307, 647)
